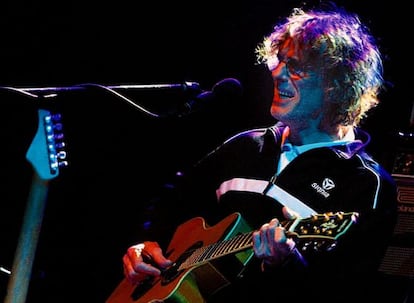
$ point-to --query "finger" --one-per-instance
(135, 252)
(261, 238)
(152, 253)
(289, 213)
(258, 244)
(256, 240)
(274, 222)
(162, 262)
(129, 271)
(279, 235)
(269, 231)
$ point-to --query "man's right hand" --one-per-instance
(143, 260)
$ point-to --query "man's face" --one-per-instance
(297, 93)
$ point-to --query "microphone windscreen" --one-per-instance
(228, 87)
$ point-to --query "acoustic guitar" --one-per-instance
(197, 250)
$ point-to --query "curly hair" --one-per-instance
(335, 43)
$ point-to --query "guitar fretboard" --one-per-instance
(322, 229)
(217, 250)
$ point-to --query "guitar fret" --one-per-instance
(196, 255)
(203, 251)
(222, 249)
(233, 244)
(217, 250)
(227, 246)
(236, 242)
(248, 239)
(209, 252)
(242, 240)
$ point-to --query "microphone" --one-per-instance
(228, 88)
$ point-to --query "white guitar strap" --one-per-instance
(286, 199)
(266, 188)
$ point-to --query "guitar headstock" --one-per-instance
(46, 152)
(320, 231)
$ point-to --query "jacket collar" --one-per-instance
(346, 150)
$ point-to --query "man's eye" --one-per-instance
(295, 68)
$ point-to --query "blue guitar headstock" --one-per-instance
(46, 152)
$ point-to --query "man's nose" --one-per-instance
(280, 71)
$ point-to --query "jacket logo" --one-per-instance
(327, 184)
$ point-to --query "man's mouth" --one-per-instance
(285, 94)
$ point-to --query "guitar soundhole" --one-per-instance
(172, 272)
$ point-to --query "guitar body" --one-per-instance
(193, 284)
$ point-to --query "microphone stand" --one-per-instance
(46, 91)
(43, 93)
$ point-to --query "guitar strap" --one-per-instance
(286, 199)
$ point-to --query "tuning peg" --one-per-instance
(60, 145)
(56, 117)
(61, 155)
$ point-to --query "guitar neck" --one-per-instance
(217, 250)
(26, 246)
(323, 228)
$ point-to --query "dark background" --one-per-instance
(118, 155)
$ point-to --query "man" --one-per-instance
(327, 74)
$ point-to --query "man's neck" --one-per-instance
(310, 136)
